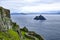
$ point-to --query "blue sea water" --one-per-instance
(48, 29)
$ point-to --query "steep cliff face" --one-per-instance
(11, 31)
(4, 19)
(6, 31)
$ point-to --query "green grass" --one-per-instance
(10, 35)
(3, 36)
(25, 38)
(23, 33)
(14, 35)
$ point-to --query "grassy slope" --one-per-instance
(10, 35)
(23, 34)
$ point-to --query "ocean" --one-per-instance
(49, 29)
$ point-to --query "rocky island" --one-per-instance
(40, 18)
(11, 31)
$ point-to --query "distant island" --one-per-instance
(40, 18)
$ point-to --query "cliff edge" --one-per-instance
(11, 31)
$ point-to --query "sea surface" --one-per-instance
(48, 29)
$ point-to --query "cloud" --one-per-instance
(30, 5)
(41, 8)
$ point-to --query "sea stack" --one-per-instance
(40, 18)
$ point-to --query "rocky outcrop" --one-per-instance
(4, 19)
(16, 33)
(30, 34)
(6, 24)
(40, 18)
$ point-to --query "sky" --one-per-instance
(29, 6)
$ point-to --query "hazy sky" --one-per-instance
(30, 5)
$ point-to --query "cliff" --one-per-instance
(11, 31)
(4, 19)
(6, 31)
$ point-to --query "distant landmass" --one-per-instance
(18, 14)
(48, 12)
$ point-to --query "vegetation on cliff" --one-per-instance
(11, 31)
